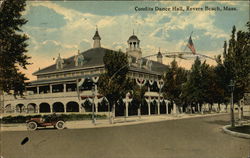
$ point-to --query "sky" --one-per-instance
(65, 27)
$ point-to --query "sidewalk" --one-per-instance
(119, 121)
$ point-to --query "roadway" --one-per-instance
(184, 138)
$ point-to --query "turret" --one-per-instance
(97, 39)
(159, 57)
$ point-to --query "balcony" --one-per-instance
(46, 95)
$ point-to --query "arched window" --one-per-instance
(20, 108)
(8, 109)
(58, 107)
(44, 107)
(31, 108)
(72, 107)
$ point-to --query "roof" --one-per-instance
(93, 58)
(159, 55)
(96, 36)
(133, 37)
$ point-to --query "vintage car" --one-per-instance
(50, 120)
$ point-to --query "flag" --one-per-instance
(191, 45)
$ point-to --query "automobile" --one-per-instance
(49, 120)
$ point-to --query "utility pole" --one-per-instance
(93, 106)
(231, 86)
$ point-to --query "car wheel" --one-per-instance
(60, 125)
(32, 125)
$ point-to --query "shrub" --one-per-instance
(66, 117)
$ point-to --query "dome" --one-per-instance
(133, 37)
(159, 55)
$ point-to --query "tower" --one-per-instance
(159, 57)
(97, 39)
(134, 47)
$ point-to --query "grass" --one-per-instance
(241, 129)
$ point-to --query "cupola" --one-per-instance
(134, 47)
(159, 56)
(97, 39)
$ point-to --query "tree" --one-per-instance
(114, 84)
(138, 94)
(12, 46)
(237, 62)
(174, 79)
(193, 91)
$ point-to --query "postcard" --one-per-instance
(124, 79)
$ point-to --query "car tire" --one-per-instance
(32, 125)
(60, 125)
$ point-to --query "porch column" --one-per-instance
(64, 87)
(37, 89)
(158, 105)
(38, 108)
(126, 107)
(149, 104)
(50, 88)
(96, 99)
(64, 106)
(96, 104)
(174, 109)
(166, 107)
(51, 108)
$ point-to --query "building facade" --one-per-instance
(70, 85)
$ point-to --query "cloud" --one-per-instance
(50, 18)
(73, 26)
(84, 45)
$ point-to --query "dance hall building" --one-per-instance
(69, 85)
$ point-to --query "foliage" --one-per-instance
(192, 89)
(174, 79)
(12, 46)
(236, 63)
(66, 117)
(138, 94)
(114, 84)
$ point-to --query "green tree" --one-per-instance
(192, 90)
(114, 84)
(209, 85)
(222, 79)
(12, 46)
(174, 79)
(237, 62)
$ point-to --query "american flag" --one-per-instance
(191, 45)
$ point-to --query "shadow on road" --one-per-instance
(47, 128)
(219, 122)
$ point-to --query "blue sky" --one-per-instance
(65, 26)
